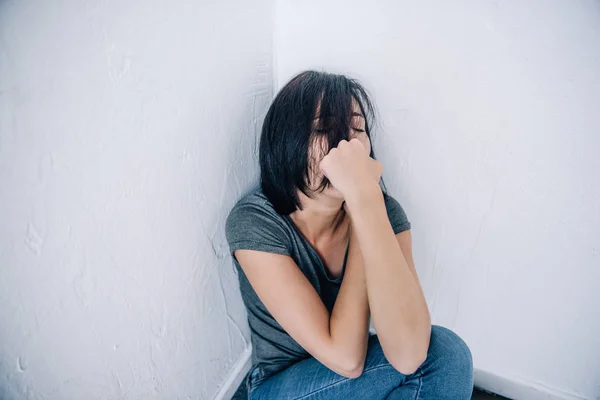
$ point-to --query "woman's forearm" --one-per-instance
(349, 322)
(396, 301)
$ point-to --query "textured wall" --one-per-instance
(127, 131)
(490, 139)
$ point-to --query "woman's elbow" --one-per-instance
(408, 365)
(353, 372)
(408, 361)
(352, 369)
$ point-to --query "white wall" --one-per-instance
(127, 131)
(491, 140)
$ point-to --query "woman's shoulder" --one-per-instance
(253, 223)
(253, 202)
(396, 214)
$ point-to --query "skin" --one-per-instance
(380, 277)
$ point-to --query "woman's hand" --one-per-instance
(350, 169)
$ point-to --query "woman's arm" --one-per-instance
(338, 340)
(397, 304)
(350, 315)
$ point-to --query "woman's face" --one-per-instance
(317, 151)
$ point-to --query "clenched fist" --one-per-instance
(350, 169)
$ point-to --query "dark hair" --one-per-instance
(288, 131)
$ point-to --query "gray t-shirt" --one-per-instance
(253, 224)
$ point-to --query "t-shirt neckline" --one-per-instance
(312, 249)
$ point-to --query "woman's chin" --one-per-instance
(334, 193)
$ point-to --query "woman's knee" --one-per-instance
(450, 357)
(448, 346)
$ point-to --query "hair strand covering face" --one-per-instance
(290, 129)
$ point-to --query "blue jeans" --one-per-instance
(446, 374)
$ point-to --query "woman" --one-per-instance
(319, 248)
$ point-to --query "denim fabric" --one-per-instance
(446, 374)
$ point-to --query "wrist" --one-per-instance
(364, 196)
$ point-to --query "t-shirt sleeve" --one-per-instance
(396, 215)
(248, 227)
